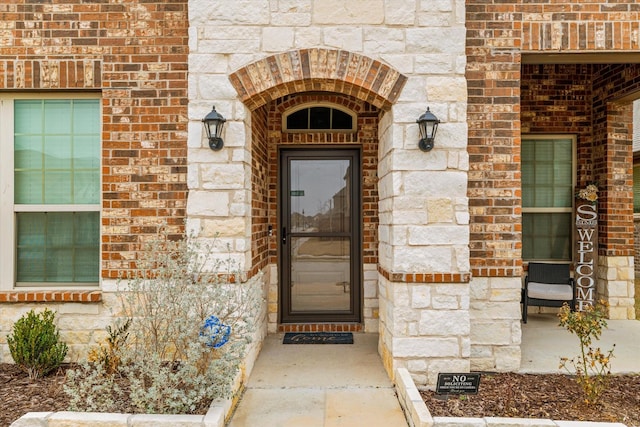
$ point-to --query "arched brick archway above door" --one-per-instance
(327, 70)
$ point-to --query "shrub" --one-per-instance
(191, 320)
(35, 344)
(592, 367)
(108, 355)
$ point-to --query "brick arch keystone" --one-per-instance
(327, 70)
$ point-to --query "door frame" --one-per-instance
(286, 153)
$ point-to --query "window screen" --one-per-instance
(57, 190)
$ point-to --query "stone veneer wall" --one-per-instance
(400, 57)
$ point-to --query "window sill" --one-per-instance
(50, 296)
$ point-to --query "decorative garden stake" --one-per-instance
(586, 245)
(215, 333)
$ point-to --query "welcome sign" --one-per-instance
(586, 253)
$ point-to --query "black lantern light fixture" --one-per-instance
(428, 124)
(213, 124)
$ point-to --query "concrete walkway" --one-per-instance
(346, 385)
(544, 343)
(319, 385)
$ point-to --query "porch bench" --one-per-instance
(548, 285)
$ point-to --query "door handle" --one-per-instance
(284, 235)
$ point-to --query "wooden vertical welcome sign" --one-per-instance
(586, 246)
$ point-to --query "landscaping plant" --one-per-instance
(592, 367)
(108, 355)
(35, 344)
(191, 318)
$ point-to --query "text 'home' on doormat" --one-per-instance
(318, 338)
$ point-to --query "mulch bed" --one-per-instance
(20, 395)
(501, 395)
(557, 397)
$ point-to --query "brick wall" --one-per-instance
(613, 158)
(262, 247)
(493, 115)
(135, 54)
(498, 33)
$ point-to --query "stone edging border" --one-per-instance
(215, 417)
(418, 414)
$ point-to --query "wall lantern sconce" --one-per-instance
(213, 124)
(428, 124)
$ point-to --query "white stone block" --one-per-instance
(452, 136)
(277, 39)
(458, 422)
(375, 47)
(518, 422)
(444, 323)
(417, 365)
(208, 63)
(371, 326)
(508, 358)
(438, 235)
(32, 419)
(336, 12)
(403, 63)
(208, 203)
(446, 365)
(291, 19)
(618, 288)
(215, 86)
(225, 176)
(495, 310)
(422, 259)
(225, 227)
(420, 296)
(347, 38)
(434, 63)
(447, 40)
(152, 420)
(441, 184)
(405, 217)
(425, 347)
(252, 12)
(491, 333)
(94, 419)
(400, 12)
(587, 424)
(462, 218)
(444, 302)
(414, 90)
(409, 161)
(370, 289)
(307, 36)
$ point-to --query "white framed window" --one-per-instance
(548, 183)
(49, 190)
(315, 116)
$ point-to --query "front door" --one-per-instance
(320, 267)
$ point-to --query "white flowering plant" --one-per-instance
(589, 193)
(192, 318)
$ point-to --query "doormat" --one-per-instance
(318, 338)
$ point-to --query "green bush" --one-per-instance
(592, 367)
(191, 318)
(35, 343)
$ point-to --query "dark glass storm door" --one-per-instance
(320, 220)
